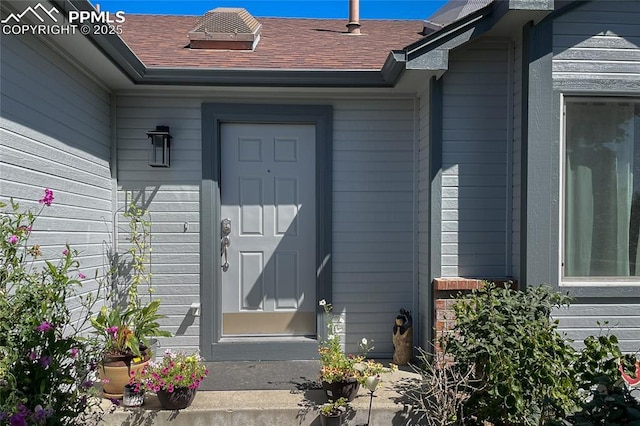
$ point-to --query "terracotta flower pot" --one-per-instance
(344, 389)
(178, 399)
(114, 372)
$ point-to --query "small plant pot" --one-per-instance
(179, 399)
(131, 398)
(331, 420)
(347, 389)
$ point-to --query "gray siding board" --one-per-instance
(365, 212)
(474, 157)
(563, 42)
(595, 40)
(54, 132)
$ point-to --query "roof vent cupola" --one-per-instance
(225, 28)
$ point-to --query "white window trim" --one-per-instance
(597, 282)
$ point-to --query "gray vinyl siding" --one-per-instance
(171, 196)
(599, 42)
(475, 162)
(592, 319)
(373, 204)
(54, 133)
(424, 184)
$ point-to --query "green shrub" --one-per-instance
(605, 399)
(518, 355)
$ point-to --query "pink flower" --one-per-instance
(44, 327)
(74, 352)
(13, 239)
(113, 330)
(65, 252)
(47, 200)
(81, 275)
(33, 355)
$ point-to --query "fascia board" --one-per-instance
(431, 53)
(264, 77)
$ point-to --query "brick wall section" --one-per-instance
(444, 291)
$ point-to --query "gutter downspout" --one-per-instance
(114, 171)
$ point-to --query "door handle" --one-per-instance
(225, 242)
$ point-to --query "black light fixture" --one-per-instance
(160, 143)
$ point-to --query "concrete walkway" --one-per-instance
(293, 399)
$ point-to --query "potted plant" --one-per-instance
(332, 412)
(342, 374)
(126, 324)
(175, 379)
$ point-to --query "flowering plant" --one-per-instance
(173, 371)
(336, 365)
(46, 367)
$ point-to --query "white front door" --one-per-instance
(268, 195)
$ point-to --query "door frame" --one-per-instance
(213, 346)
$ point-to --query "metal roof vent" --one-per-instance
(226, 28)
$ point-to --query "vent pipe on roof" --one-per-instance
(353, 27)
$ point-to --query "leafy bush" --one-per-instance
(46, 366)
(605, 398)
(519, 357)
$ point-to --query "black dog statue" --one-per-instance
(403, 338)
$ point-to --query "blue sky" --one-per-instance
(369, 9)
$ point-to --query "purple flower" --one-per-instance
(44, 327)
(45, 361)
(47, 200)
(74, 352)
(39, 413)
(18, 419)
(65, 252)
(13, 239)
(81, 275)
(113, 330)
(33, 355)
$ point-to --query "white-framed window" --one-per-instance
(601, 190)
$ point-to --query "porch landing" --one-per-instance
(268, 393)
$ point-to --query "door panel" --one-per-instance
(268, 193)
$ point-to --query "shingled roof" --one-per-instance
(286, 43)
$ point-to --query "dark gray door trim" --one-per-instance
(213, 347)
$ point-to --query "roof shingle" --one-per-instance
(286, 43)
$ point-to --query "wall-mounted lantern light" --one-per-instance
(160, 142)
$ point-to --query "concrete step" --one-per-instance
(269, 407)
